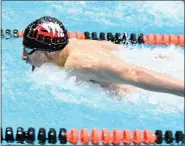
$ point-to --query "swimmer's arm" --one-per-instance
(124, 73)
(113, 71)
(146, 79)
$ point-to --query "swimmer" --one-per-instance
(46, 41)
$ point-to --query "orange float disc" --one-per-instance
(180, 39)
(84, 138)
(73, 136)
(105, 137)
(172, 39)
(164, 39)
(80, 36)
(127, 137)
(157, 39)
(95, 137)
(137, 137)
(148, 137)
(20, 34)
(116, 139)
(149, 39)
(145, 39)
(71, 35)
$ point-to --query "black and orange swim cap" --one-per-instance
(46, 33)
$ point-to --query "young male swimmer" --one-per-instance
(46, 41)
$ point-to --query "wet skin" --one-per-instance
(91, 60)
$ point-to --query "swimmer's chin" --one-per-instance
(33, 66)
(124, 91)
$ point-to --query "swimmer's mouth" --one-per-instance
(32, 68)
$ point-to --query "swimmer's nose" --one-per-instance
(24, 56)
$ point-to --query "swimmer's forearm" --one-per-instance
(169, 84)
(154, 81)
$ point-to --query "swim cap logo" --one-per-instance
(48, 33)
(53, 28)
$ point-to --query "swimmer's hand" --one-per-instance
(113, 70)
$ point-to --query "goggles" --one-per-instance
(29, 51)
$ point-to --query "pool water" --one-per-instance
(45, 98)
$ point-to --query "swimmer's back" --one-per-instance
(91, 59)
(91, 51)
(95, 44)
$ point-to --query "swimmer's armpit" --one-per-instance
(122, 90)
(119, 90)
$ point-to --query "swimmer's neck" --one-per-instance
(61, 56)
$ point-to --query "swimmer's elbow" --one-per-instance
(140, 76)
(132, 75)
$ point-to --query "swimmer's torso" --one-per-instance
(90, 51)
(85, 55)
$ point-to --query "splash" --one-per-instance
(69, 90)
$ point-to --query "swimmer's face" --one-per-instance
(36, 59)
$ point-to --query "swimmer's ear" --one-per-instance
(33, 68)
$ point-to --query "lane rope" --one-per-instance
(117, 38)
(107, 137)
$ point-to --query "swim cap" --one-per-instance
(46, 33)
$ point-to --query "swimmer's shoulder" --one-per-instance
(75, 40)
(73, 43)
(73, 60)
(72, 40)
